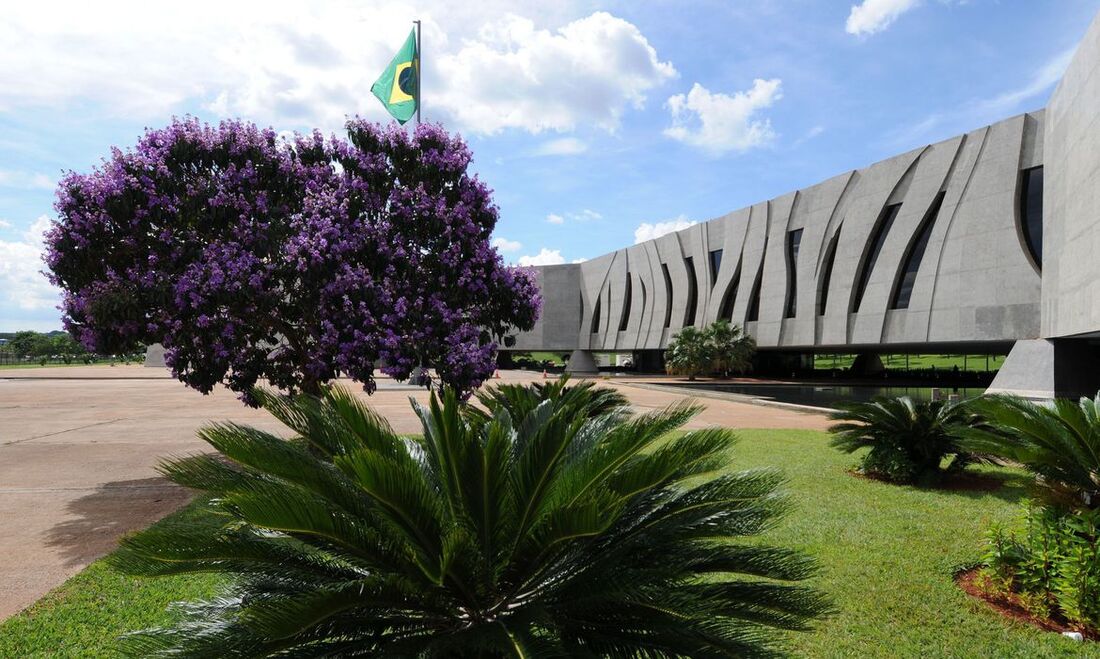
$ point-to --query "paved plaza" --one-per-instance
(79, 446)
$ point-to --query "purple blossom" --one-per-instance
(249, 257)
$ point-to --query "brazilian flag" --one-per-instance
(396, 87)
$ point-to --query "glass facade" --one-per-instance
(693, 292)
(596, 316)
(725, 311)
(627, 293)
(881, 231)
(1031, 212)
(823, 291)
(715, 265)
(754, 302)
(903, 290)
(668, 294)
(794, 239)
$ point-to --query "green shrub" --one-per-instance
(1053, 563)
(1059, 443)
(908, 440)
(571, 528)
(718, 348)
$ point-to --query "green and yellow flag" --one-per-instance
(396, 87)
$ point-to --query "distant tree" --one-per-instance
(689, 353)
(28, 344)
(64, 346)
(733, 350)
(718, 348)
(252, 257)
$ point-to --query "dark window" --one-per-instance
(668, 294)
(643, 296)
(725, 311)
(715, 265)
(754, 302)
(625, 318)
(754, 295)
(882, 229)
(830, 256)
(903, 290)
(794, 239)
(596, 316)
(1031, 212)
(693, 292)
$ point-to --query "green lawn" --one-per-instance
(917, 362)
(59, 364)
(887, 554)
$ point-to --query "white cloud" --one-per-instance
(1043, 80)
(299, 65)
(873, 16)
(978, 112)
(514, 75)
(21, 283)
(505, 245)
(565, 146)
(544, 257)
(719, 122)
(579, 260)
(25, 180)
(649, 231)
(583, 215)
(4, 224)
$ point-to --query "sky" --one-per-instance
(597, 124)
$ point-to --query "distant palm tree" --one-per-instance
(908, 440)
(1059, 443)
(732, 349)
(689, 353)
(570, 529)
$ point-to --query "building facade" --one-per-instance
(989, 241)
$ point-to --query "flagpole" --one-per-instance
(419, 64)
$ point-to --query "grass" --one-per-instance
(554, 357)
(62, 365)
(888, 555)
(85, 616)
(916, 362)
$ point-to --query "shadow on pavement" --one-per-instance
(98, 519)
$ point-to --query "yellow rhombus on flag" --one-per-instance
(396, 87)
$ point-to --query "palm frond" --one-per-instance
(548, 522)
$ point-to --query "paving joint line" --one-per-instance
(62, 432)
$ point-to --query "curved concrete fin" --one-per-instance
(935, 170)
(736, 226)
(879, 187)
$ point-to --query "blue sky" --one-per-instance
(596, 124)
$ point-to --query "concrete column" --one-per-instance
(581, 362)
(1044, 369)
(154, 356)
(868, 363)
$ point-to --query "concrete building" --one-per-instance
(989, 241)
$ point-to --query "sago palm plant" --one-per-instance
(908, 440)
(518, 400)
(1059, 443)
(574, 529)
(733, 349)
(689, 353)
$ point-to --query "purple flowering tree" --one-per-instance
(253, 257)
